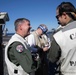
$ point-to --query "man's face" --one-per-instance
(61, 18)
(26, 28)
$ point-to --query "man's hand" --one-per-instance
(45, 48)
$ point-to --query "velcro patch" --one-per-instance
(19, 48)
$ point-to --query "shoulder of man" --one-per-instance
(17, 46)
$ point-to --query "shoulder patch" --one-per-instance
(19, 48)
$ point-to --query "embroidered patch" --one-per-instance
(19, 48)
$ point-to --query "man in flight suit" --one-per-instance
(18, 56)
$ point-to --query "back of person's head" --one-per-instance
(43, 27)
(19, 21)
(68, 8)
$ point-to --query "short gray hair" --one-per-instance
(19, 21)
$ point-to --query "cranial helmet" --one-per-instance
(43, 28)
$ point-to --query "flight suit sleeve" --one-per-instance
(22, 56)
(54, 52)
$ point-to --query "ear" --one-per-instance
(20, 27)
(65, 15)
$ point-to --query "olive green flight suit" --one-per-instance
(22, 58)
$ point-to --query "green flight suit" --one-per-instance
(54, 52)
(22, 58)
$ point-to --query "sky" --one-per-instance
(37, 11)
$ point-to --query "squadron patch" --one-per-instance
(19, 48)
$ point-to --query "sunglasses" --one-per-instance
(57, 16)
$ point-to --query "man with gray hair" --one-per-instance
(18, 56)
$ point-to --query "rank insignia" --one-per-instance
(19, 48)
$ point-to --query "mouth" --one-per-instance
(29, 30)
